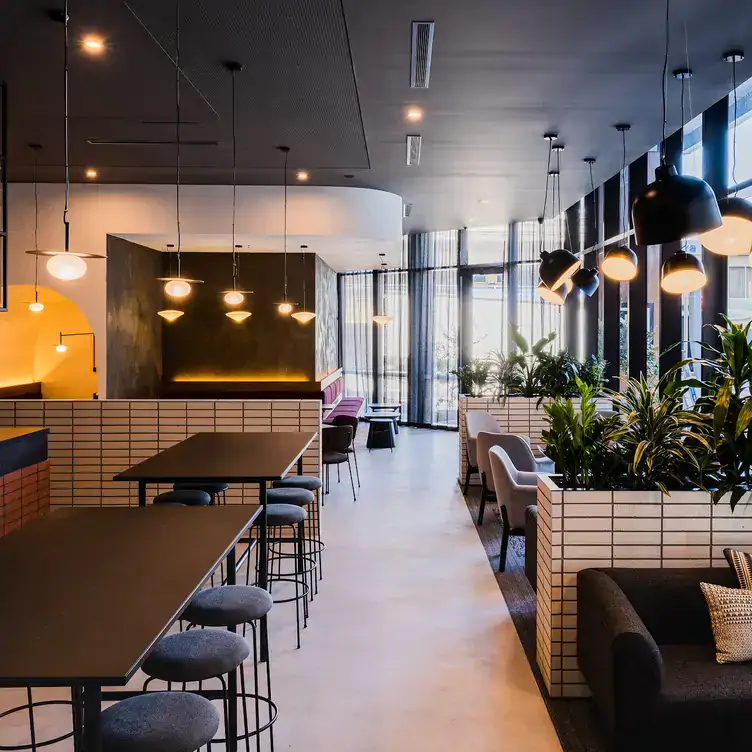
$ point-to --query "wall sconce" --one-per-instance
(61, 347)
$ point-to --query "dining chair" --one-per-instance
(336, 442)
(475, 422)
(515, 491)
(352, 421)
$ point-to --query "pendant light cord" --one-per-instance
(736, 115)
(624, 219)
(234, 188)
(35, 148)
(592, 192)
(287, 154)
(542, 223)
(664, 79)
(177, 126)
(304, 278)
(66, 223)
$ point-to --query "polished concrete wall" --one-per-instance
(134, 331)
(206, 346)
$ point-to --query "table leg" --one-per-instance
(142, 493)
(300, 465)
(263, 576)
(92, 710)
(232, 677)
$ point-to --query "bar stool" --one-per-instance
(231, 605)
(163, 721)
(279, 517)
(215, 490)
(314, 485)
(184, 497)
(197, 656)
(301, 497)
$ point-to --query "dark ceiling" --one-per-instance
(330, 78)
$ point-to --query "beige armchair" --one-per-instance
(475, 422)
(515, 491)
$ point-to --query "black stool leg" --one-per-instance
(32, 728)
(357, 471)
(301, 567)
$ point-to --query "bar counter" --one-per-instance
(24, 476)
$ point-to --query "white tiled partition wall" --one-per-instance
(521, 415)
(583, 529)
(91, 440)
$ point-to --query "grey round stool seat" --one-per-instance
(309, 482)
(196, 655)
(299, 496)
(159, 722)
(210, 488)
(228, 605)
(186, 497)
(284, 514)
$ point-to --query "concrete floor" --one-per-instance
(409, 646)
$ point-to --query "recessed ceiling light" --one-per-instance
(93, 45)
(414, 115)
(301, 175)
(92, 174)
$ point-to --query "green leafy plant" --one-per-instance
(727, 403)
(557, 374)
(593, 372)
(527, 361)
(577, 440)
(474, 376)
(657, 438)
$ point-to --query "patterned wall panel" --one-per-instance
(90, 441)
(583, 529)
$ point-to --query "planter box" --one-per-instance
(582, 529)
(520, 415)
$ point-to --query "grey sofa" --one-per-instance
(646, 649)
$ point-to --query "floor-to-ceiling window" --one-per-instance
(394, 340)
(356, 333)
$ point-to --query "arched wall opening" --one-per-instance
(28, 341)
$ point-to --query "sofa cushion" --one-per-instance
(731, 620)
(741, 564)
(694, 684)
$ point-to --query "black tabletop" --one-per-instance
(86, 593)
(224, 457)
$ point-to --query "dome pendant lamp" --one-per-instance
(673, 206)
(178, 287)
(65, 265)
(234, 297)
(682, 273)
(304, 316)
(586, 280)
(620, 264)
(556, 267)
(734, 236)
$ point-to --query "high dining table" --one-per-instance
(228, 457)
(86, 593)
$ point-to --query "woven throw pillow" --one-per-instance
(741, 563)
(731, 620)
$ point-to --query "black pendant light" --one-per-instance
(673, 206)
(559, 265)
(620, 264)
(682, 273)
(557, 297)
(586, 280)
(734, 236)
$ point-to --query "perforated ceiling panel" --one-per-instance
(297, 88)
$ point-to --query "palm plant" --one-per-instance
(727, 404)
(657, 437)
(577, 440)
(527, 361)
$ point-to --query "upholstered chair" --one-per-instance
(515, 491)
(475, 422)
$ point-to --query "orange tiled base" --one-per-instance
(24, 496)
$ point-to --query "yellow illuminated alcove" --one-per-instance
(28, 340)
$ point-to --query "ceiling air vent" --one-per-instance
(407, 210)
(413, 150)
(420, 64)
